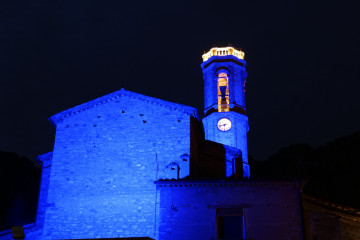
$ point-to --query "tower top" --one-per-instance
(223, 51)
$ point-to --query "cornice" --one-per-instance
(226, 183)
(59, 117)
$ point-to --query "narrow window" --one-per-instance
(223, 93)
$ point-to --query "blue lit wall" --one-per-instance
(237, 136)
(189, 209)
(107, 155)
(236, 70)
(45, 160)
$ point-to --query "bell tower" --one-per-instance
(225, 121)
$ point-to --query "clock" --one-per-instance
(224, 124)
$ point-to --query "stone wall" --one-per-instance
(188, 209)
(105, 161)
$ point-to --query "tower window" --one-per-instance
(223, 93)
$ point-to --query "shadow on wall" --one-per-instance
(211, 160)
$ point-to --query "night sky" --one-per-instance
(303, 63)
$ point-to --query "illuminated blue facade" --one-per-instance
(107, 155)
(129, 165)
(233, 70)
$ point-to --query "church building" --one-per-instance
(119, 171)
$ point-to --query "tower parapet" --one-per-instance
(223, 51)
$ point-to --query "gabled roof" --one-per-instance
(59, 117)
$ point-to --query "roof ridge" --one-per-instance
(59, 117)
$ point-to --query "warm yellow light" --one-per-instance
(223, 97)
(224, 51)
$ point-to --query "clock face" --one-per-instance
(224, 124)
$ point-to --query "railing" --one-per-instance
(225, 51)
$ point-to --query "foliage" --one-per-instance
(330, 171)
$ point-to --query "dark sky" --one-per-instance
(303, 63)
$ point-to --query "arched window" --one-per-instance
(223, 93)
